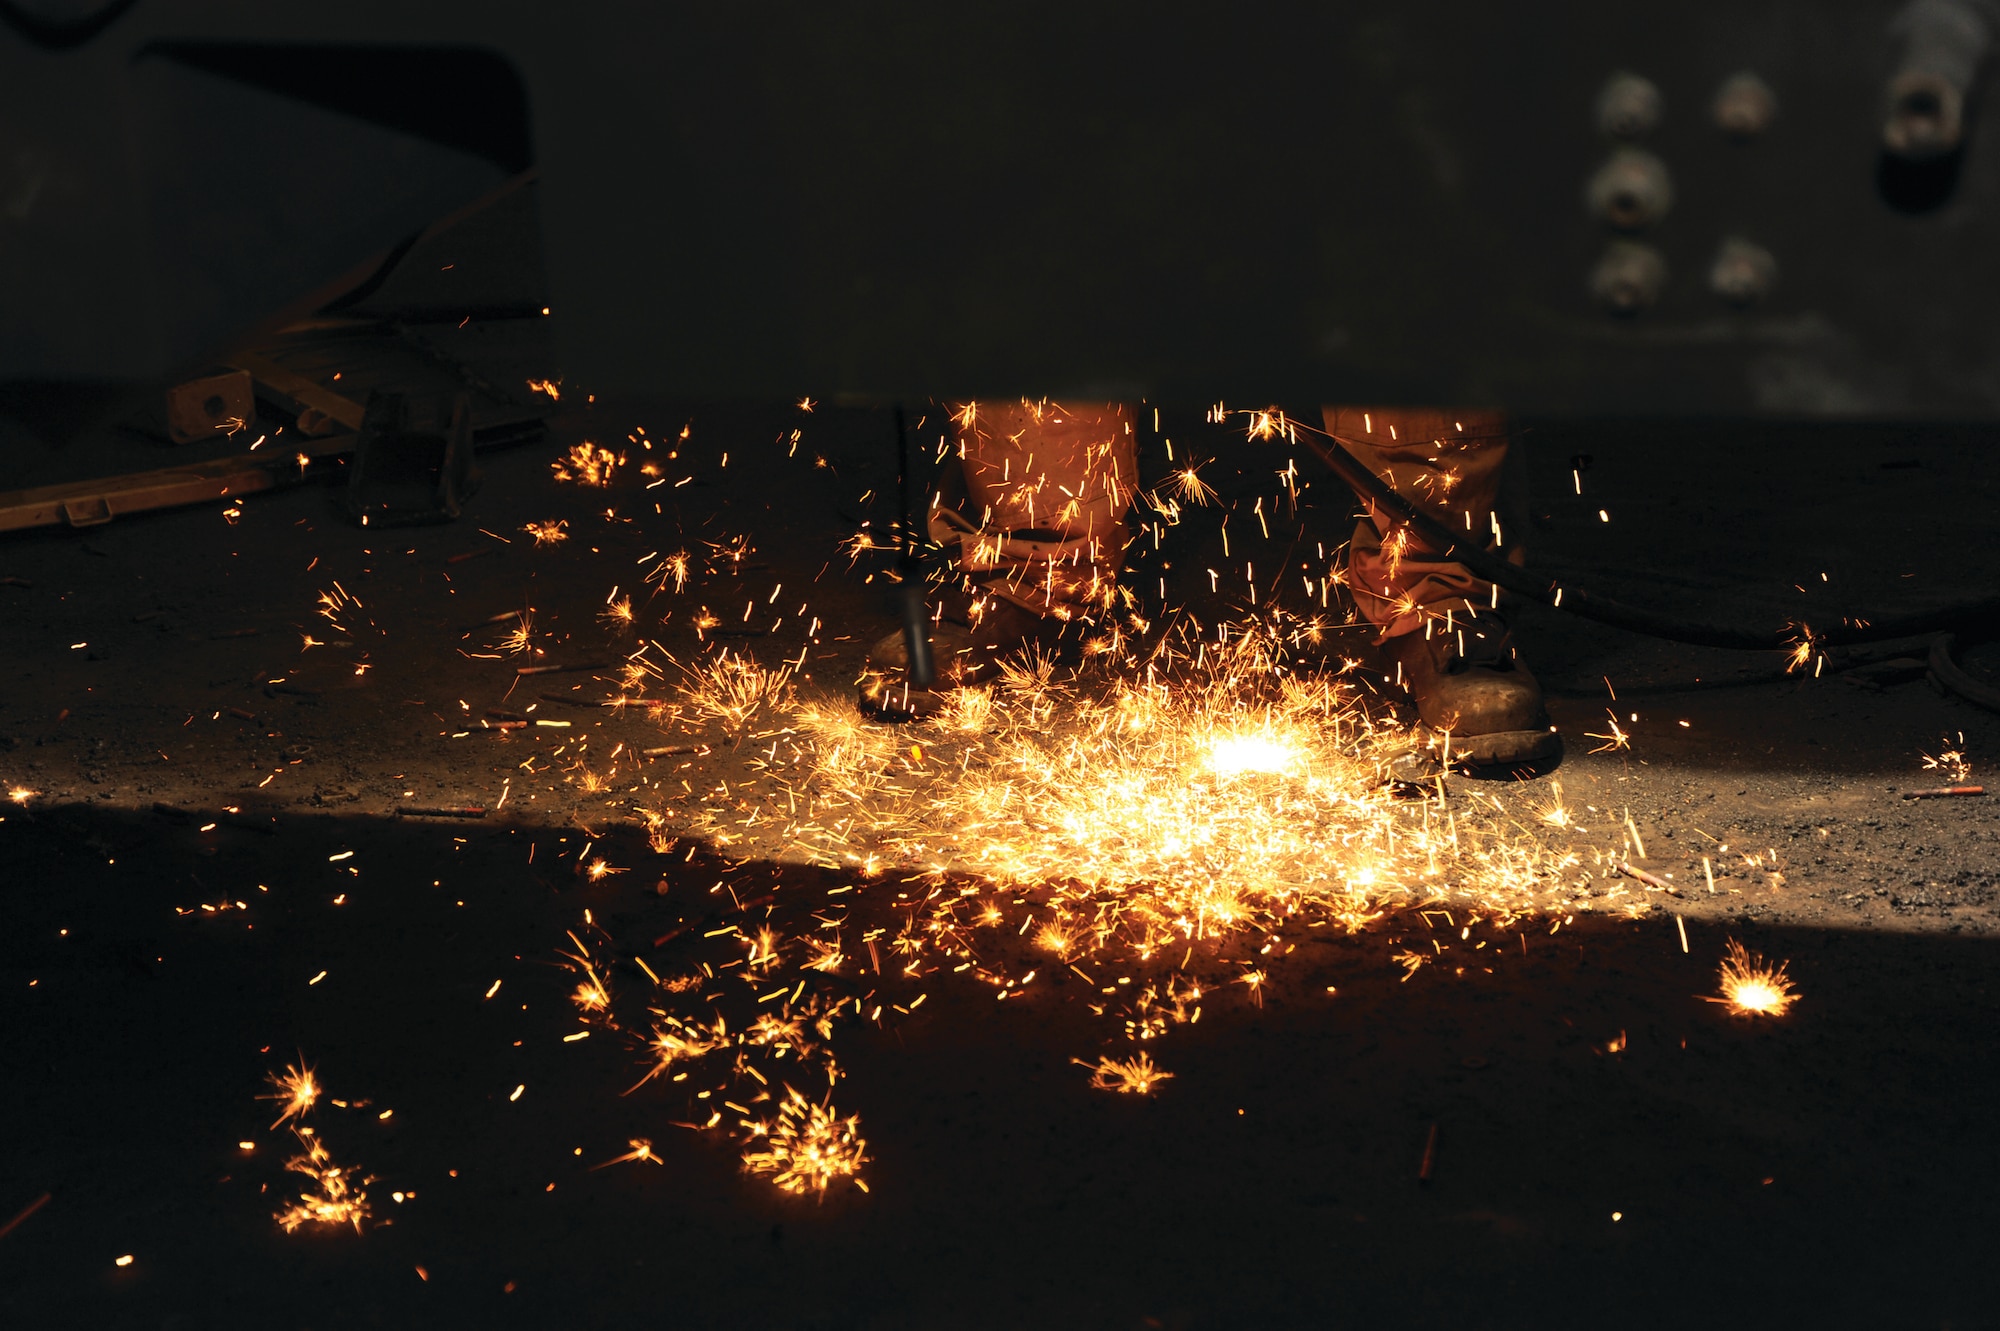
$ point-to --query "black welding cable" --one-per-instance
(1946, 670)
(1637, 619)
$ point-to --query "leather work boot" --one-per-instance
(962, 656)
(1474, 694)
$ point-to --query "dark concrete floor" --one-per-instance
(1829, 1168)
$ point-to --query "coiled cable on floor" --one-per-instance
(1462, 549)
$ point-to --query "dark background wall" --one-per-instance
(1259, 201)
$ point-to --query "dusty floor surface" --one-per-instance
(216, 874)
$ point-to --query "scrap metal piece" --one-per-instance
(413, 460)
(93, 503)
(211, 405)
(302, 395)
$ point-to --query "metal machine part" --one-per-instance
(1629, 107)
(1744, 106)
(1628, 277)
(1944, 42)
(1743, 272)
(413, 461)
(1631, 191)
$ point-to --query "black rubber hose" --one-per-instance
(1947, 671)
(1636, 619)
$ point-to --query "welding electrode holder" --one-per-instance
(1455, 546)
(916, 619)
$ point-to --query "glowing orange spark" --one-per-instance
(295, 1089)
(1134, 1076)
(587, 464)
(641, 1150)
(1189, 486)
(807, 1147)
(674, 568)
(1751, 986)
(338, 1195)
(1957, 768)
(553, 532)
(1614, 741)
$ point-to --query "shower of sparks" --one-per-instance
(617, 614)
(1751, 986)
(587, 464)
(734, 689)
(553, 532)
(338, 1194)
(1553, 812)
(21, 794)
(1207, 787)
(1951, 761)
(1165, 825)
(807, 1147)
(1131, 1076)
(1152, 827)
(295, 1090)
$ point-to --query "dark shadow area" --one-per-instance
(461, 97)
(1606, 1140)
(1918, 186)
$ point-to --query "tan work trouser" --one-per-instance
(1048, 486)
(1450, 464)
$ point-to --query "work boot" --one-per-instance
(1474, 695)
(962, 656)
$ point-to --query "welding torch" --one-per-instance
(916, 619)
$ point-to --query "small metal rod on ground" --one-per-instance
(1649, 879)
(1941, 792)
(435, 811)
(24, 1213)
(1430, 1156)
(559, 669)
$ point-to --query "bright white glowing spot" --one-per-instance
(1240, 755)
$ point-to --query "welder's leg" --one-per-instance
(1444, 631)
(1048, 486)
(1040, 537)
(1450, 464)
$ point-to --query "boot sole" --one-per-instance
(1502, 748)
